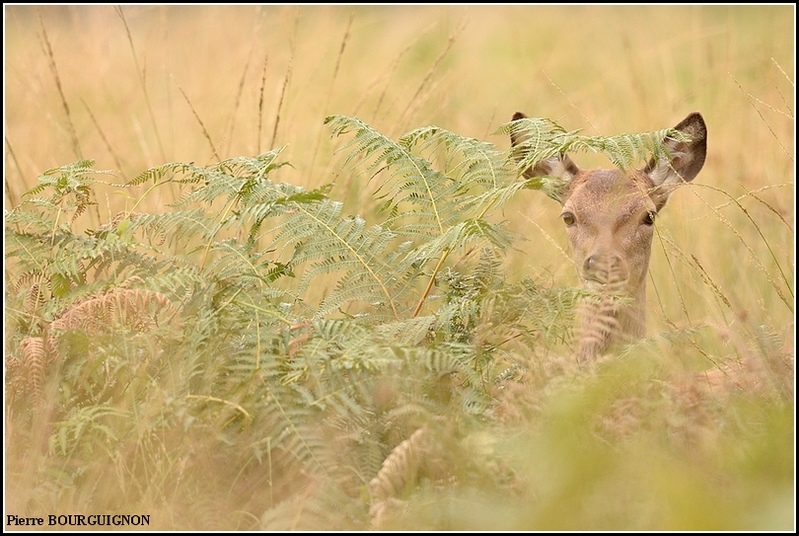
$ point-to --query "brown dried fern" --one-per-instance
(138, 309)
(32, 368)
(400, 471)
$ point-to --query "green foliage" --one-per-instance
(544, 138)
(253, 356)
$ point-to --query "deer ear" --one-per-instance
(683, 161)
(560, 167)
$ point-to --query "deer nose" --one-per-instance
(599, 264)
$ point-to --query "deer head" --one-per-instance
(609, 216)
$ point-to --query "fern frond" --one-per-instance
(34, 362)
(240, 267)
(176, 227)
(81, 167)
(431, 196)
(332, 243)
(543, 138)
(29, 250)
(625, 150)
(550, 311)
(230, 179)
(36, 286)
(58, 259)
(400, 468)
(270, 200)
(83, 423)
(136, 308)
(257, 167)
(439, 212)
(214, 184)
(29, 221)
(499, 195)
(157, 173)
(461, 234)
(71, 187)
(471, 161)
(407, 332)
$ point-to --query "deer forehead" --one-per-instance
(609, 196)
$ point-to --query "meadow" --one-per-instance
(226, 306)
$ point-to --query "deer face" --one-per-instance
(609, 216)
(609, 221)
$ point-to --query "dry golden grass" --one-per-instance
(146, 85)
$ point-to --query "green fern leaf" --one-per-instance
(543, 138)
(430, 195)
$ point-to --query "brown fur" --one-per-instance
(609, 222)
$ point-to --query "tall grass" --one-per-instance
(690, 429)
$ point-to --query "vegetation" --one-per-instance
(371, 332)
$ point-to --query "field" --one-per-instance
(222, 340)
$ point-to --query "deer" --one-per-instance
(609, 216)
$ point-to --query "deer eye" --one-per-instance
(568, 218)
(649, 218)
